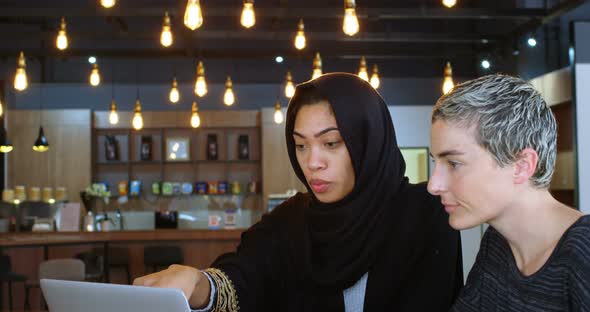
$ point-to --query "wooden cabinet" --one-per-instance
(195, 166)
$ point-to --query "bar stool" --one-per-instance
(6, 275)
(94, 265)
(118, 259)
(162, 256)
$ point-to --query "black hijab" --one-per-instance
(345, 235)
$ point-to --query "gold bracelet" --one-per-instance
(227, 299)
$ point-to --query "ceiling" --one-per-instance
(406, 37)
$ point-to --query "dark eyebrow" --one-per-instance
(317, 134)
(448, 153)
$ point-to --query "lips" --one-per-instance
(450, 208)
(319, 186)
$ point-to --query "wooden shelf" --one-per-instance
(228, 127)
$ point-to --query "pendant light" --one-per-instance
(350, 25)
(278, 113)
(448, 83)
(166, 37)
(61, 42)
(300, 40)
(94, 76)
(174, 94)
(137, 121)
(195, 119)
(248, 18)
(363, 69)
(20, 78)
(449, 3)
(41, 144)
(5, 144)
(229, 97)
(108, 3)
(375, 82)
(113, 115)
(289, 86)
(317, 66)
(193, 16)
(201, 84)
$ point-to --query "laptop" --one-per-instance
(71, 296)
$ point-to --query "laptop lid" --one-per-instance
(71, 296)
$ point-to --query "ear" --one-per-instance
(525, 165)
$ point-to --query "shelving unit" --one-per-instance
(197, 168)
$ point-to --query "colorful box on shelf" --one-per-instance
(187, 188)
(135, 188)
(167, 188)
(156, 188)
(122, 186)
(201, 187)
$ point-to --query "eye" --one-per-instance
(332, 144)
(454, 164)
(300, 147)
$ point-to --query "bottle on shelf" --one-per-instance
(212, 148)
(146, 148)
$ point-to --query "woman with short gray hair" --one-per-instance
(493, 141)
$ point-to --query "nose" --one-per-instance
(315, 159)
(436, 183)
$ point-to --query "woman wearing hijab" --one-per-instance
(361, 239)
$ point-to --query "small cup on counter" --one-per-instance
(8, 195)
(47, 194)
(19, 193)
(34, 193)
(61, 194)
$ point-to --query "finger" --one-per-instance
(147, 280)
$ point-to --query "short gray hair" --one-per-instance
(508, 116)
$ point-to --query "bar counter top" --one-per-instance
(66, 238)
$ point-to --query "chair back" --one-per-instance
(62, 269)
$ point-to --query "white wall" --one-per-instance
(582, 74)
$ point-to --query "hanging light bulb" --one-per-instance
(248, 18)
(278, 113)
(193, 16)
(5, 144)
(317, 66)
(41, 144)
(174, 94)
(300, 37)
(113, 116)
(228, 96)
(20, 79)
(1, 108)
(350, 26)
(363, 69)
(94, 76)
(448, 83)
(195, 119)
(62, 38)
(108, 3)
(201, 84)
(166, 36)
(449, 3)
(137, 121)
(375, 77)
(289, 87)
